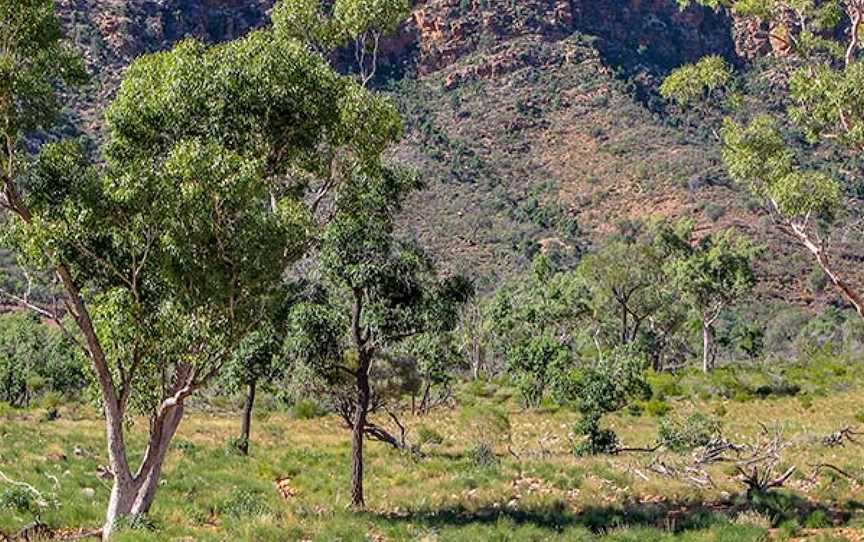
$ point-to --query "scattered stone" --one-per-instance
(88, 492)
(283, 485)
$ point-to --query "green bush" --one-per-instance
(428, 436)
(657, 408)
(817, 519)
(244, 504)
(606, 386)
(482, 455)
(236, 445)
(19, 499)
(679, 434)
(305, 409)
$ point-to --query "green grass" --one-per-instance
(536, 491)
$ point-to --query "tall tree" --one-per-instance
(166, 249)
(711, 273)
(384, 292)
(355, 24)
(820, 46)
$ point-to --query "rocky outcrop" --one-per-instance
(657, 30)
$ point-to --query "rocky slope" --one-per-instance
(518, 114)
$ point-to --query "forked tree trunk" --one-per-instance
(132, 495)
(246, 428)
(358, 429)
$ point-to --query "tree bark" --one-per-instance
(246, 428)
(359, 428)
(818, 251)
(707, 346)
(134, 495)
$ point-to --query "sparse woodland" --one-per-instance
(219, 319)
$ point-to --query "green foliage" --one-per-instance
(306, 409)
(803, 187)
(327, 26)
(538, 363)
(693, 82)
(679, 434)
(714, 272)
(35, 360)
(603, 387)
(34, 61)
(244, 504)
(427, 436)
(19, 499)
(656, 407)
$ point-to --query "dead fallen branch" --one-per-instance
(819, 467)
(649, 450)
(841, 437)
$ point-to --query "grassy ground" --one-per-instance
(536, 491)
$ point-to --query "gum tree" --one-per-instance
(383, 293)
(166, 249)
(358, 25)
(711, 274)
(820, 46)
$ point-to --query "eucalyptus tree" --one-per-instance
(327, 26)
(631, 293)
(383, 293)
(819, 42)
(535, 326)
(167, 248)
(711, 273)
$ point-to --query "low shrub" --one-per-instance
(657, 408)
(679, 434)
(244, 504)
(305, 409)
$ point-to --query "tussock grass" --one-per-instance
(537, 490)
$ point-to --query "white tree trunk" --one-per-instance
(133, 495)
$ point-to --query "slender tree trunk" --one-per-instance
(151, 473)
(359, 428)
(477, 355)
(839, 284)
(246, 429)
(707, 346)
(624, 323)
(818, 250)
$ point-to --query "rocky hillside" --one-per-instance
(524, 115)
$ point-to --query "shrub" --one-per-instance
(236, 445)
(817, 519)
(607, 386)
(482, 455)
(657, 408)
(244, 504)
(305, 409)
(19, 499)
(679, 434)
(428, 436)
